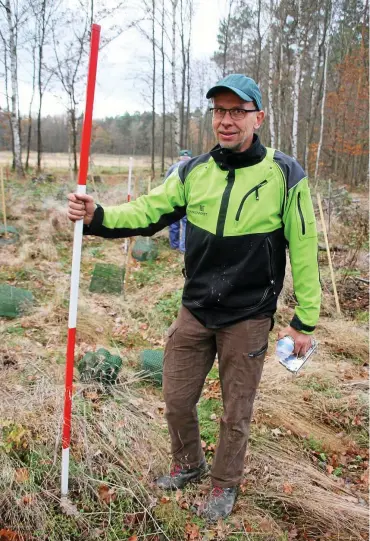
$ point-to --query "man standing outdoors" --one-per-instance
(245, 204)
(177, 230)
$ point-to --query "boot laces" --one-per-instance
(217, 491)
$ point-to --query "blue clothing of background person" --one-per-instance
(177, 230)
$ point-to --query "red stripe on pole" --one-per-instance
(87, 125)
(66, 438)
(128, 198)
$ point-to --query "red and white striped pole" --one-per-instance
(76, 257)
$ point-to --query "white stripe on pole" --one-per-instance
(76, 263)
(65, 468)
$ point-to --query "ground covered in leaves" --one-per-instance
(306, 472)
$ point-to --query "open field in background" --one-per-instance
(101, 162)
(306, 473)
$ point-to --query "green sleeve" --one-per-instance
(145, 216)
(301, 234)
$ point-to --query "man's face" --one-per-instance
(236, 135)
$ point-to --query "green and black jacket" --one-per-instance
(243, 209)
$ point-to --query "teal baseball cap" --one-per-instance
(185, 153)
(246, 88)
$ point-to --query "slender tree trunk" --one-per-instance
(153, 91)
(226, 44)
(29, 134)
(280, 87)
(309, 118)
(9, 116)
(187, 118)
(175, 119)
(271, 78)
(14, 98)
(297, 78)
(163, 94)
(70, 154)
(183, 76)
(74, 137)
(259, 41)
(322, 119)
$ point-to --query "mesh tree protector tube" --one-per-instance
(76, 257)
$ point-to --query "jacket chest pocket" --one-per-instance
(254, 192)
(306, 221)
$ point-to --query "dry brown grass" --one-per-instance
(118, 438)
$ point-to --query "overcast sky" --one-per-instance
(120, 85)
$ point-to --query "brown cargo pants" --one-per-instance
(189, 356)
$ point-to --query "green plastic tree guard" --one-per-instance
(99, 366)
(152, 363)
(145, 249)
(107, 278)
(8, 236)
(14, 301)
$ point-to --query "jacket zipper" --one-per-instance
(225, 203)
(255, 189)
(272, 274)
(285, 196)
(301, 214)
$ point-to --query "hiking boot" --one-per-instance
(179, 477)
(220, 503)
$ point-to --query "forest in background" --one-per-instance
(309, 58)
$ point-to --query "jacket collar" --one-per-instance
(227, 159)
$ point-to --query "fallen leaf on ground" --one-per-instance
(106, 494)
(265, 525)
(133, 518)
(287, 488)
(21, 475)
(192, 531)
(9, 535)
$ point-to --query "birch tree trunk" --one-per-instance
(322, 118)
(259, 44)
(296, 88)
(175, 120)
(280, 84)
(8, 114)
(14, 85)
(31, 102)
(163, 94)
(309, 120)
(271, 78)
(188, 79)
(153, 92)
(183, 74)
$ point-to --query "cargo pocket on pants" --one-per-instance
(259, 351)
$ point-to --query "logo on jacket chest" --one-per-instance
(198, 209)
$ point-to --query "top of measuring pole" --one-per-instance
(90, 91)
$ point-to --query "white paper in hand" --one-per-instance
(294, 363)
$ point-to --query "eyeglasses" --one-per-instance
(235, 113)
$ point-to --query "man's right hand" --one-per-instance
(81, 206)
